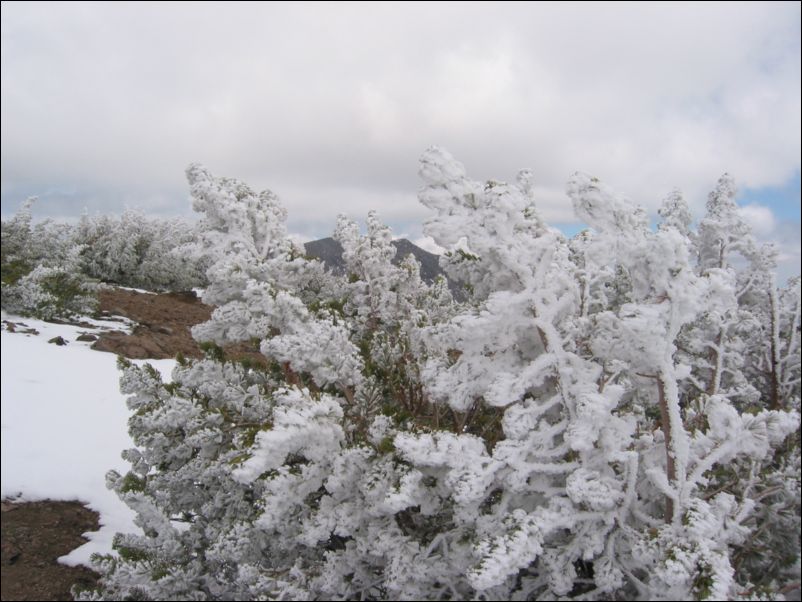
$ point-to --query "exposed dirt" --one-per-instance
(163, 326)
(35, 534)
(163, 323)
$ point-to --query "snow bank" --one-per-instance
(64, 424)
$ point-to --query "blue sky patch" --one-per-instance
(783, 200)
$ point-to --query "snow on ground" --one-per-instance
(136, 290)
(64, 424)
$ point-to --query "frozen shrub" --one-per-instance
(140, 252)
(611, 417)
(41, 273)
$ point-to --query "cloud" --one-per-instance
(760, 218)
(788, 239)
(331, 105)
(784, 235)
(427, 244)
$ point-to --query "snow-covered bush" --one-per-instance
(611, 417)
(51, 269)
(41, 271)
(137, 251)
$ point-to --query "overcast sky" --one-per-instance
(330, 106)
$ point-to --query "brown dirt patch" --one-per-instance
(163, 326)
(34, 535)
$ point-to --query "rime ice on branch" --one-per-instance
(612, 416)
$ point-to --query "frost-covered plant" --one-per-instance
(51, 292)
(682, 340)
(50, 269)
(41, 271)
(137, 251)
(555, 435)
(17, 255)
(744, 346)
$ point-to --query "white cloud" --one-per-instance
(788, 239)
(785, 236)
(760, 218)
(330, 105)
(427, 244)
(322, 205)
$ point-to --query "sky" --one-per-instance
(331, 105)
(63, 428)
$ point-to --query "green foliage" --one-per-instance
(334, 307)
(132, 482)
(12, 270)
(130, 554)
(703, 582)
(213, 351)
(386, 446)
(67, 290)
(461, 255)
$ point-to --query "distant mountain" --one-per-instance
(330, 252)
(429, 262)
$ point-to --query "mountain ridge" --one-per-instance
(330, 252)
